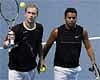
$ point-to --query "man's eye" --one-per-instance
(71, 17)
(31, 13)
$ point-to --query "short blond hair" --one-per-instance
(31, 5)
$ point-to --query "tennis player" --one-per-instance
(27, 38)
(69, 37)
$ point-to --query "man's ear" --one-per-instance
(64, 20)
(25, 15)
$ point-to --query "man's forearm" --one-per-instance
(46, 49)
(91, 54)
(40, 50)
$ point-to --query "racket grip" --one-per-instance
(11, 37)
(11, 42)
(91, 69)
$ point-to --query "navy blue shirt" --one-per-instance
(68, 47)
(23, 56)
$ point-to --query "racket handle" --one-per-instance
(11, 37)
(96, 70)
(11, 42)
(91, 69)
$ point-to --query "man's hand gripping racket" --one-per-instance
(96, 71)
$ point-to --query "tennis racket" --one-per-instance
(96, 71)
(9, 10)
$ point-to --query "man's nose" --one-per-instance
(71, 19)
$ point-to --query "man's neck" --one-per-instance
(70, 28)
(29, 26)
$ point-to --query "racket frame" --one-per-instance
(11, 20)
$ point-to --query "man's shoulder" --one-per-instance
(17, 27)
(79, 25)
(62, 25)
(39, 25)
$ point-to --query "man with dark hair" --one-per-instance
(69, 37)
(27, 45)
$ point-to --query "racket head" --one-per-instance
(9, 11)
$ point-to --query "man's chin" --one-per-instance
(72, 25)
(30, 21)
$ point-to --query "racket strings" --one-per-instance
(9, 11)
